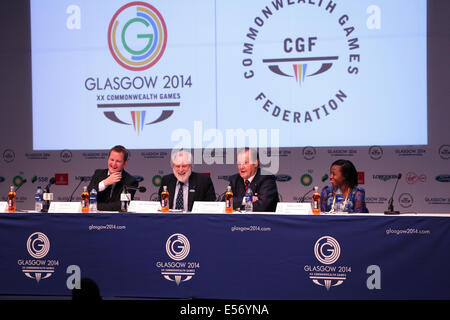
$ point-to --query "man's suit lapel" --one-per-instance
(171, 188)
(192, 186)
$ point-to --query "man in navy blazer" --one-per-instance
(110, 182)
(185, 186)
(264, 186)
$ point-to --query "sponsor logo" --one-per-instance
(437, 200)
(444, 151)
(410, 152)
(375, 152)
(61, 179)
(95, 155)
(406, 200)
(18, 180)
(413, 178)
(443, 178)
(2, 179)
(9, 155)
(139, 178)
(66, 156)
(283, 178)
(327, 251)
(384, 177)
(154, 154)
(376, 200)
(156, 180)
(37, 155)
(178, 248)
(306, 179)
(38, 247)
(309, 153)
(360, 177)
(342, 152)
(300, 58)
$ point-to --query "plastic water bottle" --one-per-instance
(248, 200)
(93, 200)
(124, 200)
(39, 199)
(338, 201)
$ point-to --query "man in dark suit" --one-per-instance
(264, 186)
(185, 186)
(110, 182)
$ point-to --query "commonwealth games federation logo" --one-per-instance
(137, 36)
(178, 248)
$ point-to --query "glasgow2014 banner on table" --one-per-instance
(234, 256)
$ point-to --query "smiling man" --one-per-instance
(264, 186)
(185, 186)
(110, 182)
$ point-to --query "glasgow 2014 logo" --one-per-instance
(137, 36)
(327, 251)
(178, 248)
(38, 247)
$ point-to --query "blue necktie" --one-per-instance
(179, 202)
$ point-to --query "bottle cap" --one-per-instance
(229, 188)
(165, 188)
(85, 188)
(11, 188)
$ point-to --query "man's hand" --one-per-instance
(113, 178)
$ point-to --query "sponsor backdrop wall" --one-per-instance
(370, 85)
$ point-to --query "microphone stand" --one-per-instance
(304, 196)
(71, 196)
(390, 210)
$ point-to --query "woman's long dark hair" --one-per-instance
(348, 172)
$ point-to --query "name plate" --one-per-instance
(3, 206)
(144, 206)
(208, 207)
(64, 207)
(293, 208)
(47, 196)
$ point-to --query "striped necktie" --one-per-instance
(180, 201)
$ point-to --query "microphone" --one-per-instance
(71, 196)
(46, 204)
(302, 199)
(140, 189)
(23, 182)
(52, 181)
(390, 209)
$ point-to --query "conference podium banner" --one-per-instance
(226, 256)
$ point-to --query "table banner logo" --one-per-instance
(327, 251)
(178, 248)
(38, 247)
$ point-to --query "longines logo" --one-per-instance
(298, 57)
(327, 251)
(178, 248)
(38, 247)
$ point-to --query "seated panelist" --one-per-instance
(110, 182)
(185, 186)
(263, 186)
(343, 174)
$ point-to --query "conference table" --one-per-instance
(258, 256)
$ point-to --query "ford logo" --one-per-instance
(443, 178)
(283, 178)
